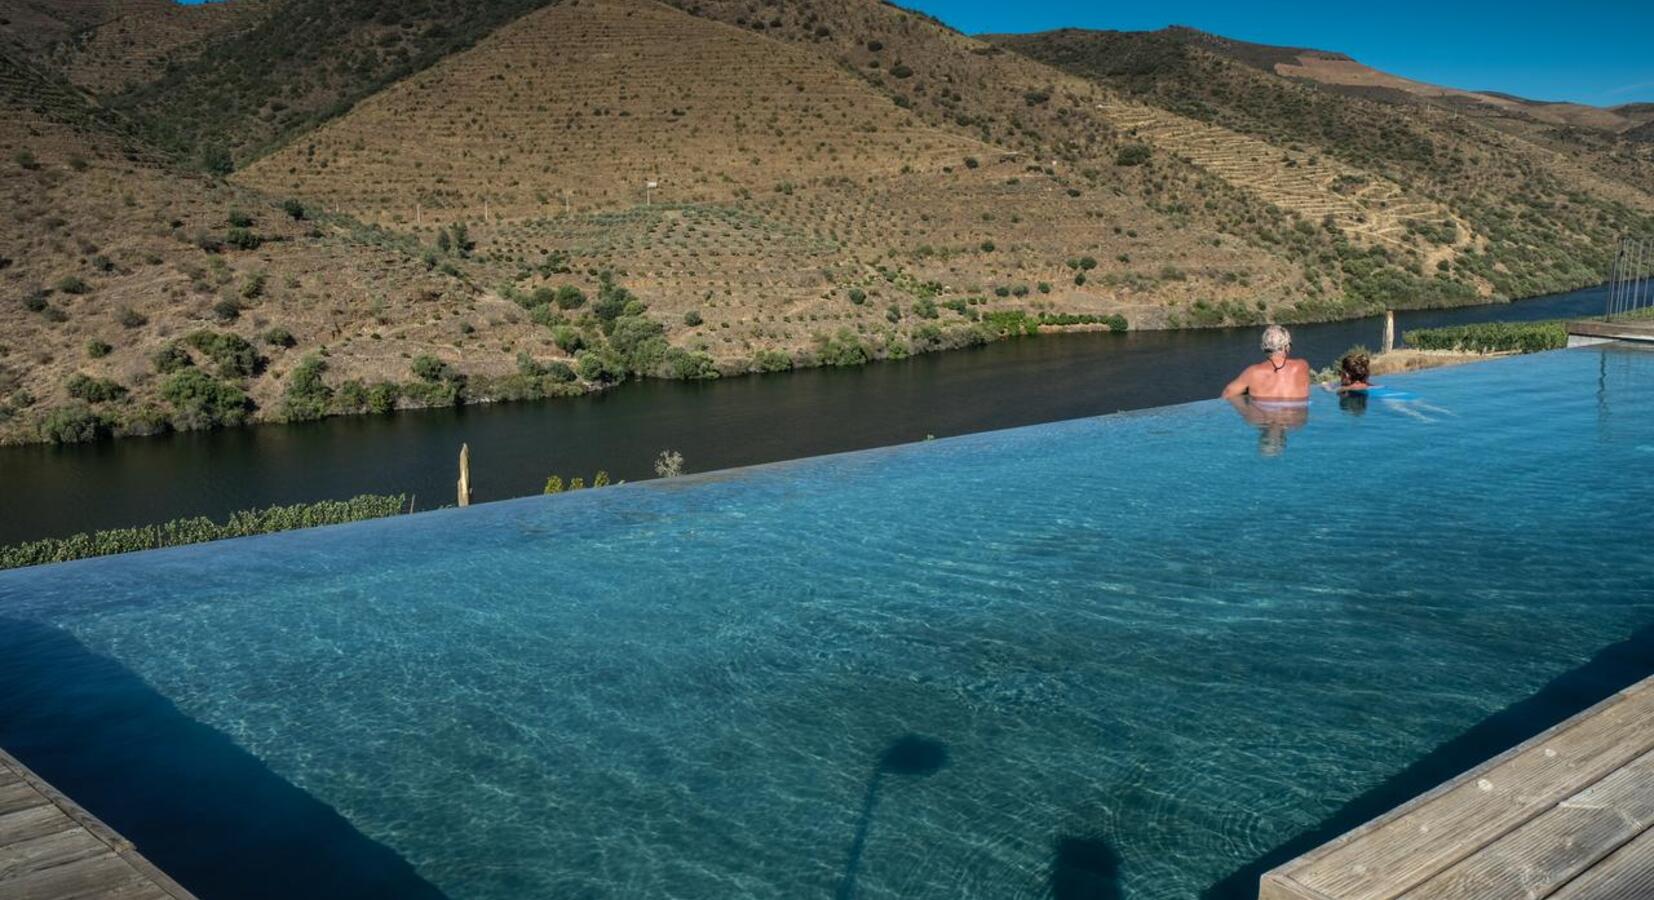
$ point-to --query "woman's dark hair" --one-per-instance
(1355, 366)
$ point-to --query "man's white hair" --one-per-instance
(1275, 339)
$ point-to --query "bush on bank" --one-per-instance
(179, 532)
(1491, 337)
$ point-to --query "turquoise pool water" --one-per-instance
(1111, 657)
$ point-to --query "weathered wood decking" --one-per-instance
(51, 849)
(1639, 330)
(1566, 815)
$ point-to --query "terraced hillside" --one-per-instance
(1366, 206)
(580, 106)
(1532, 211)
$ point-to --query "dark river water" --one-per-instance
(51, 491)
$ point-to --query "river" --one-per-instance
(53, 491)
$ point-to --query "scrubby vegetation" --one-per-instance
(199, 530)
(1491, 337)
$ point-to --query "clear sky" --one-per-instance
(1590, 51)
(1595, 51)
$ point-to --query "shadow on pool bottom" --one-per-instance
(208, 813)
(1615, 668)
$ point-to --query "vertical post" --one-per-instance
(1389, 330)
(464, 474)
(419, 214)
(1614, 279)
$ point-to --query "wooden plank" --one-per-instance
(1628, 873)
(48, 851)
(106, 877)
(53, 849)
(1554, 848)
(19, 795)
(1428, 835)
(28, 824)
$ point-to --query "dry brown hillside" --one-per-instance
(786, 184)
(584, 103)
(110, 256)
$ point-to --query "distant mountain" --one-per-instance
(290, 208)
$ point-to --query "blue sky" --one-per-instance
(1592, 52)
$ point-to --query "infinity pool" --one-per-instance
(1113, 657)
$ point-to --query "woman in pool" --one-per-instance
(1353, 371)
(1278, 379)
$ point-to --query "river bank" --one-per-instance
(59, 490)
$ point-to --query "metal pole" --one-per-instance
(1389, 330)
(1614, 279)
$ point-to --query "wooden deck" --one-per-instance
(1566, 815)
(1640, 330)
(51, 849)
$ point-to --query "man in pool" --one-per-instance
(1278, 379)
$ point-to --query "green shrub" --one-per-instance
(382, 397)
(130, 318)
(925, 308)
(568, 340)
(72, 284)
(601, 366)
(226, 311)
(234, 356)
(307, 395)
(170, 358)
(771, 361)
(428, 368)
(200, 401)
(842, 349)
(693, 318)
(858, 296)
(570, 297)
(193, 531)
(278, 337)
(690, 365)
(242, 239)
(239, 219)
(97, 349)
(1132, 155)
(73, 424)
(1491, 337)
(294, 209)
(94, 390)
(35, 300)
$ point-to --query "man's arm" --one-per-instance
(1237, 387)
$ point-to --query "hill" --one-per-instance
(795, 199)
(119, 270)
(298, 64)
(1533, 210)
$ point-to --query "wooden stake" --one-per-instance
(1389, 330)
(464, 474)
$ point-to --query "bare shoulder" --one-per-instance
(1299, 364)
